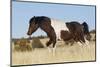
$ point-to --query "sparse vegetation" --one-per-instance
(93, 31)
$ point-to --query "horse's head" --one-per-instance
(33, 26)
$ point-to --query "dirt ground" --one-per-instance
(64, 53)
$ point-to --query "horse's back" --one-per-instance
(58, 26)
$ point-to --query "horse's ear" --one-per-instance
(84, 22)
(67, 23)
(34, 18)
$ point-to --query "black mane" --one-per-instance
(39, 19)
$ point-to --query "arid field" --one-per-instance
(64, 53)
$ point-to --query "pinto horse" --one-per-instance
(57, 30)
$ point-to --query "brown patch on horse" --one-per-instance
(76, 32)
(65, 35)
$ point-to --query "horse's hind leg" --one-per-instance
(86, 41)
(83, 41)
(79, 41)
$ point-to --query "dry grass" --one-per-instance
(64, 53)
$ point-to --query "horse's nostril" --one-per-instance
(28, 33)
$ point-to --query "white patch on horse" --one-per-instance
(58, 26)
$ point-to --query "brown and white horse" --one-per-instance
(57, 30)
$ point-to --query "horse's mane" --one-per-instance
(37, 19)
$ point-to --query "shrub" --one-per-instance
(36, 43)
(22, 45)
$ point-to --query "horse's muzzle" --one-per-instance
(28, 33)
(29, 36)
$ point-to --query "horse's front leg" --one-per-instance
(52, 41)
(48, 44)
(54, 47)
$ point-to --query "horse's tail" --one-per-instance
(86, 30)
